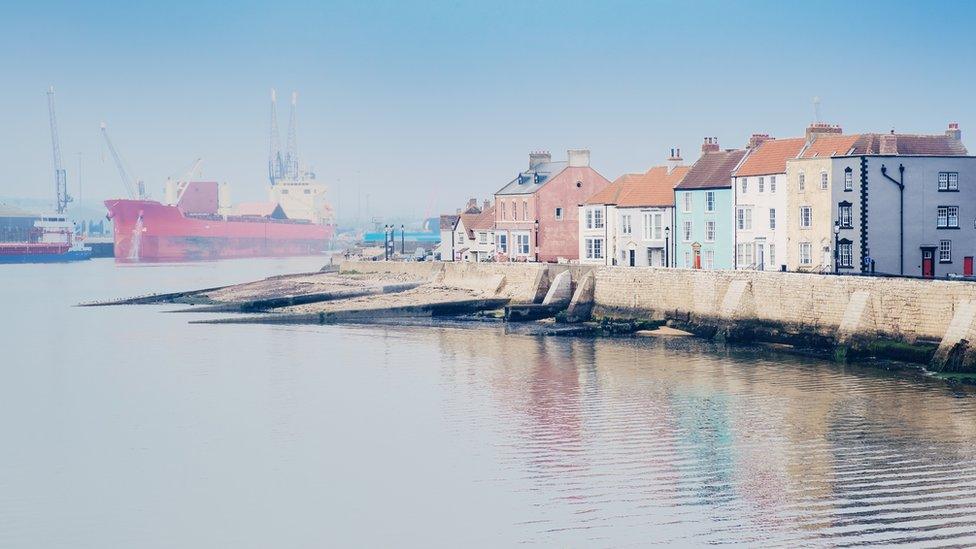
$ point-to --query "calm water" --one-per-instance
(126, 427)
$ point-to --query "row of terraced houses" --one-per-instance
(824, 202)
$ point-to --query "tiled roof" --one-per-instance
(870, 143)
(770, 157)
(835, 145)
(653, 188)
(713, 170)
(478, 221)
(531, 181)
(448, 221)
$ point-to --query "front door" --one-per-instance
(967, 265)
(655, 257)
(928, 262)
(760, 255)
(632, 257)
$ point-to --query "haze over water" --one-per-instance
(127, 427)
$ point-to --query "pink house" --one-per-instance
(536, 214)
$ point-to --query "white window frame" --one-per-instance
(806, 253)
(761, 185)
(593, 247)
(743, 218)
(710, 230)
(709, 201)
(948, 181)
(772, 183)
(744, 184)
(945, 251)
(948, 217)
(625, 225)
(519, 243)
(687, 230)
(845, 254)
(686, 205)
(806, 217)
(598, 220)
(772, 218)
(848, 180)
(502, 239)
(845, 216)
(802, 182)
(708, 259)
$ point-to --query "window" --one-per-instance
(708, 259)
(848, 180)
(709, 231)
(744, 182)
(597, 219)
(589, 218)
(559, 214)
(625, 226)
(503, 243)
(460, 237)
(772, 254)
(845, 254)
(482, 238)
(948, 217)
(948, 181)
(687, 203)
(743, 255)
(594, 248)
(762, 184)
(743, 218)
(806, 217)
(687, 260)
(653, 226)
(525, 210)
(823, 181)
(687, 231)
(772, 218)
(802, 182)
(709, 201)
(945, 251)
(308, 191)
(772, 183)
(504, 211)
(806, 256)
(845, 215)
(522, 243)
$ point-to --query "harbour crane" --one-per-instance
(123, 172)
(60, 176)
(275, 161)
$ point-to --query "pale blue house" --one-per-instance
(703, 209)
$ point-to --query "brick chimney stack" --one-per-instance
(757, 139)
(538, 158)
(820, 128)
(710, 145)
(889, 143)
(486, 205)
(472, 205)
(954, 132)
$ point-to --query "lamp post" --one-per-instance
(667, 246)
(536, 224)
(386, 243)
(836, 247)
(402, 236)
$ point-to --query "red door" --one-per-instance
(928, 268)
(967, 266)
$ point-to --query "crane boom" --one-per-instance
(60, 176)
(119, 164)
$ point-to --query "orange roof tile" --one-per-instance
(830, 145)
(652, 188)
(770, 157)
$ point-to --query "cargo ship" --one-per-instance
(49, 239)
(197, 226)
(197, 222)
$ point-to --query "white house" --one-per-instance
(631, 221)
(474, 236)
(761, 215)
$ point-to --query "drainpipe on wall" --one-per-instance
(901, 212)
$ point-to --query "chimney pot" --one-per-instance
(954, 132)
(820, 128)
(757, 139)
(538, 158)
(710, 145)
(888, 144)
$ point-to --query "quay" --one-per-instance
(931, 322)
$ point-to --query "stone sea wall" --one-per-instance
(821, 310)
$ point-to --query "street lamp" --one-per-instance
(402, 233)
(836, 247)
(667, 246)
(536, 240)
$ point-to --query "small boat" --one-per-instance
(52, 240)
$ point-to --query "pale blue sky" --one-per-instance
(422, 104)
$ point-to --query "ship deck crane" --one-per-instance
(179, 185)
(60, 176)
(123, 172)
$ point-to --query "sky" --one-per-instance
(412, 107)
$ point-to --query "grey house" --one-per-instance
(906, 204)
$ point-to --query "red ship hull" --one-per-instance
(146, 230)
